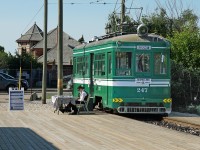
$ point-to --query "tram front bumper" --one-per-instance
(143, 110)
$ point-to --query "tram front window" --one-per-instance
(123, 63)
(160, 63)
(142, 63)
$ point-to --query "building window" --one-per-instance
(123, 63)
(23, 50)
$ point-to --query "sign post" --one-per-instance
(16, 99)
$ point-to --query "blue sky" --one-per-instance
(17, 16)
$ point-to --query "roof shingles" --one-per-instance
(33, 34)
(68, 44)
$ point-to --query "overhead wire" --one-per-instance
(33, 18)
(115, 5)
(97, 2)
(90, 3)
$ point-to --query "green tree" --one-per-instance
(158, 23)
(1, 48)
(114, 24)
(13, 62)
(185, 86)
(185, 47)
(3, 60)
(162, 23)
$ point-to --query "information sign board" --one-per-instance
(16, 99)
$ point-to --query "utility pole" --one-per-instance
(44, 75)
(122, 14)
(60, 48)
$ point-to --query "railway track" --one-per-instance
(178, 125)
(171, 123)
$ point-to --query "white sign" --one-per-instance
(142, 80)
(143, 47)
(16, 99)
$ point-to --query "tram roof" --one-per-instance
(125, 38)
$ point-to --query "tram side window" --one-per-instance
(160, 63)
(123, 63)
(99, 65)
(79, 66)
(142, 63)
(82, 65)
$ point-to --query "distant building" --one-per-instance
(29, 39)
(52, 39)
(32, 42)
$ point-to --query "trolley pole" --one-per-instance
(122, 14)
(44, 75)
(60, 48)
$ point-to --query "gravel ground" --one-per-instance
(177, 127)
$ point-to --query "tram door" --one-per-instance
(92, 74)
(109, 73)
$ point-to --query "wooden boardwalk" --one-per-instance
(99, 131)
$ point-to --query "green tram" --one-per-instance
(126, 73)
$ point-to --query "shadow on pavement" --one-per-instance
(22, 139)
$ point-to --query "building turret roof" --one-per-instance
(33, 34)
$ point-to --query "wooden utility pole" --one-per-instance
(122, 14)
(44, 75)
(60, 48)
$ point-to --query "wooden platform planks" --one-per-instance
(46, 130)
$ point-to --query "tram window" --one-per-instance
(142, 63)
(160, 63)
(82, 65)
(99, 65)
(123, 63)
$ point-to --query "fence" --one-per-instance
(34, 76)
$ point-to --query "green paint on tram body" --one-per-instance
(128, 73)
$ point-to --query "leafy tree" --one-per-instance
(3, 60)
(185, 47)
(185, 85)
(25, 60)
(158, 23)
(162, 23)
(1, 48)
(113, 24)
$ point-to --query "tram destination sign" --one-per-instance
(143, 47)
(16, 99)
(142, 80)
